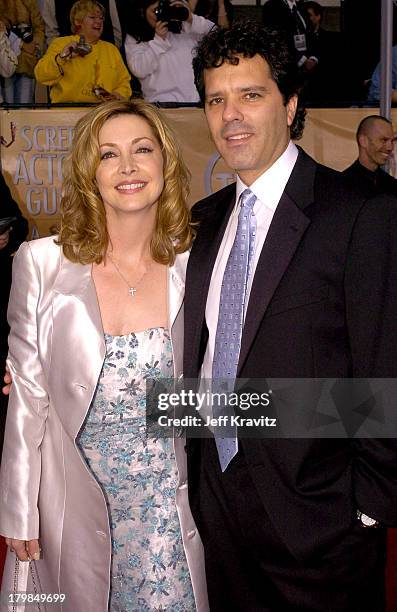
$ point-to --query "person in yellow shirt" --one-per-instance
(81, 67)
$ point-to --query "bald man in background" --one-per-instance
(375, 145)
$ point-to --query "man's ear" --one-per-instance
(291, 109)
(363, 141)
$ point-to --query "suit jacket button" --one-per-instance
(191, 534)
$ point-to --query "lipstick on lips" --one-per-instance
(129, 187)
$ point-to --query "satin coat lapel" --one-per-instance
(198, 275)
(176, 285)
(285, 233)
(77, 331)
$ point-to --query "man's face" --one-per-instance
(314, 19)
(246, 115)
(378, 143)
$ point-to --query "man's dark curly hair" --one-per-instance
(246, 39)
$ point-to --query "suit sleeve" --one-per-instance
(371, 309)
(9, 208)
(27, 409)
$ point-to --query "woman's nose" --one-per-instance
(127, 165)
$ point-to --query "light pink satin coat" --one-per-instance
(56, 352)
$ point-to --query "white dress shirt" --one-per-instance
(268, 189)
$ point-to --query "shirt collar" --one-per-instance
(269, 187)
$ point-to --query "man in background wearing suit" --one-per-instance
(290, 276)
(290, 17)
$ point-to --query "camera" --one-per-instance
(24, 31)
(173, 15)
(82, 48)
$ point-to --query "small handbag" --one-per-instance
(19, 596)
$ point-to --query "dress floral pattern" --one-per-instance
(138, 476)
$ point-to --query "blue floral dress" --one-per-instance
(138, 476)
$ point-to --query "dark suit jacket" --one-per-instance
(8, 208)
(325, 82)
(321, 305)
(276, 15)
(370, 182)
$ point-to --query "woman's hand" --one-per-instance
(69, 50)
(25, 550)
(161, 29)
(8, 381)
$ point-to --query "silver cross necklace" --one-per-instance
(131, 289)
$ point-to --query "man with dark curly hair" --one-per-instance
(290, 276)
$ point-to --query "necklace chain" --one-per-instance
(132, 289)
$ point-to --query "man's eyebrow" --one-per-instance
(244, 89)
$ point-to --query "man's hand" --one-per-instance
(25, 550)
(4, 239)
(310, 64)
(8, 381)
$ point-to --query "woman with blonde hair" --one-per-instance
(93, 314)
(82, 67)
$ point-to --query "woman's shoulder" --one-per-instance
(41, 248)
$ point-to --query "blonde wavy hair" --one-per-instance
(81, 9)
(83, 231)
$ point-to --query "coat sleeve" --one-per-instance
(8, 58)
(51, 26)
(371, 311)
(199, 26)
(47, 71)
(37, 24)
(27, 409)
(143, 58)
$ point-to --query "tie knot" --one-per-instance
(247, 199)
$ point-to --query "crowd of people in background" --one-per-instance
(149, 44)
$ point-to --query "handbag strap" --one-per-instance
(35, 581)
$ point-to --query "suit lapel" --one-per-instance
(77, 328)
(285, 233)
(75, 281)
(176, 286)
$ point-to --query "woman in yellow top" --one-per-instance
(89, 72)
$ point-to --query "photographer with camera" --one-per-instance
(24, 21)
(81, 67)
(159, 49)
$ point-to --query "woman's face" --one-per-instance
(151, 15)
(130, 172)
(91, 26)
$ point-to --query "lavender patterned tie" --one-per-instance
(231, 317)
